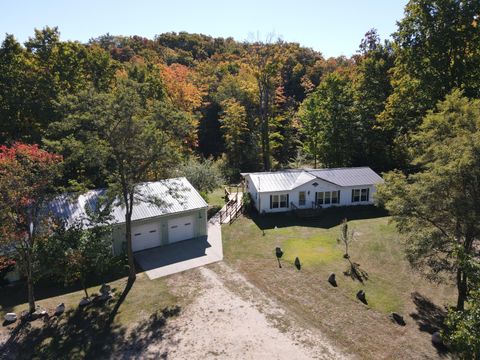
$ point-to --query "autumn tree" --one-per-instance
(436, 208)
(235, 130)
(27, 183)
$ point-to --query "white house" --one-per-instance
(316, 188)
(166, 212)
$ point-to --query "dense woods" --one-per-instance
(124, 109)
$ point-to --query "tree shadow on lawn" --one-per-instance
(429, 317)
(15, 294)
(88, 333)
(325, 219)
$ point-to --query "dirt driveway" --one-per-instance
(231, 319)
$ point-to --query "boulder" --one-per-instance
(397, 318)
(297, 263)
(361, 296)
(10, 317)
(332, 280)
(84, 302)
(60, 309)
(437, 339)
(40, 313)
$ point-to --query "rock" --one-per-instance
(60, 309)
(84, 302)
(40, 313)
(397, 318)
(297, 263)
(361, 297)
(278, 252)
(437, 339)
(105, 289)
(332, 280)
(10, 317)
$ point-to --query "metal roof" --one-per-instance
(291, 179)
(154, 199)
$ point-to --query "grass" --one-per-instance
(249, 246)
(124, 324)
(217, 197)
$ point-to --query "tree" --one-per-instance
(204, 175)
(371, 88)
(437, 48)
(326, 116)
(27, 183)
(76, 251)
(266, 60)
(235, 130)
(437, 208)
(134, 140)
(346, 237)
(463, 327)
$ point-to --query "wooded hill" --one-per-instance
(257, 105)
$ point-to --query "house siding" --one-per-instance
(200, 227)
(345, 196)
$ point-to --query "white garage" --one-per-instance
(180, 229)
(146, 236)
(165, 212)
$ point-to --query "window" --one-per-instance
(355, 195)
(336, 197)
(360, 195)
(365, 194)
(327, 197)
(319, 198)
(273, 201)
(278, 201)
(301, 198)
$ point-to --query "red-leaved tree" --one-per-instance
(27, 183)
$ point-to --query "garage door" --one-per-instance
(180, 229)
(146, 236)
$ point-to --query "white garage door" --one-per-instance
(146, 236)
(180, 229)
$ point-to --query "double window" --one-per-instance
(278, 201)
(359, 195)
(327, 197)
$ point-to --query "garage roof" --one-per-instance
(157, 198)
(291, 179)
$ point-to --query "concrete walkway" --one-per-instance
(184, 255)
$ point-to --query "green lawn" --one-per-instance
(249, 246)
(217, 197)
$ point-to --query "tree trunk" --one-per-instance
(31, 298)
(128, 235)
(462, 289)
(84, 288)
